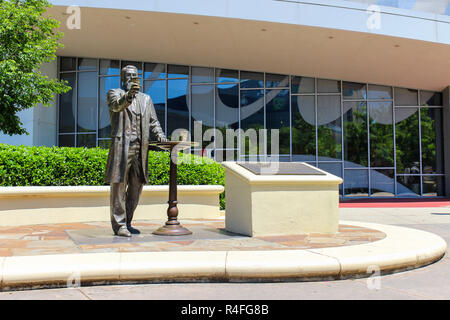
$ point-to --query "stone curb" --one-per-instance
(402, 249)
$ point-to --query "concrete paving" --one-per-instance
(431, 282)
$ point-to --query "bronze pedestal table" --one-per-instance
(173, 226)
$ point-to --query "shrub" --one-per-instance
(55, 166)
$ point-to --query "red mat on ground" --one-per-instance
(394, 203)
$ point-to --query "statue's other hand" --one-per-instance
(163, 139)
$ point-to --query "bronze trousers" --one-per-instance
(124, 197)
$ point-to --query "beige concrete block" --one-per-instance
(60, 269)
(279, 264)
(172, 265)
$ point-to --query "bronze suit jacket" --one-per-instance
(120, 114)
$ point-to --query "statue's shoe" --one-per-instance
(133, 230)
(123, 232)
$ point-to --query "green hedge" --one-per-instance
(43, 166)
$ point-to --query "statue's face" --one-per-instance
(129, 77)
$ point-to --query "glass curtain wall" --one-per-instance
(384, 141)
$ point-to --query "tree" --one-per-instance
(27, 39)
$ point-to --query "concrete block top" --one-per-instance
(268, 174)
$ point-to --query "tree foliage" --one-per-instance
(28, 38)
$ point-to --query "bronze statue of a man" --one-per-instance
(133, 122)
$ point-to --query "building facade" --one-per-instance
(357, 88)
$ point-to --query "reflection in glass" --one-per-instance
(87, 102)
(109, 67)
(227, 112)
(154, 71)
(67, 105)
(429, 98)
(85, 64)
(104, 121)
(377, 92)
(408, 186)
(277, 117)
(432, 140)
(303, 128)
(177, 71)
(177, 105)
(202, 75)
(354, 91)
(405, 97)
(137, 64)
(276, 80)
(356, 183)
(252, 79)
(227, 75)
(202, 110)
(157, 92)
(328, 86)
(86, 140)
(381, 134)
(104, 144)
(334, 168)
(302, 85)
(329, 128)
(66, 140)
(252, 117)
(382, 183)
(433, 186)
(68, 64)
(355, 134)
(407, 140)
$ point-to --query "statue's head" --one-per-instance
(127, 76)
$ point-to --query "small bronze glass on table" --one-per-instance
(173, 226)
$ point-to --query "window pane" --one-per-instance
(86, 140)
(202, 75)
(429, 98)
(109, 67)
(408, 186)
(104, 144)
(252, 117)
(137, 64)
(302, 85)
(329, 128)
(226, 75)
(68, 64)
(155, 71)
(67, 105)
(379, 92)
(355, 134)
(177, 105)
(328, 86)
(333, 168)
(87, 102)
(276, 80)
(356, 183)
(87, 64)
(104, 122)
(354, 91)
(277, 118)
(252, 79)
(405, 97)
(381, 134)
(67, 140)
(303, 128)
(433, 186)
(177, 71)
(157, 92)
(432, 140)
(407, 140)
(382, 183)
(202, 110)
(227, 113)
